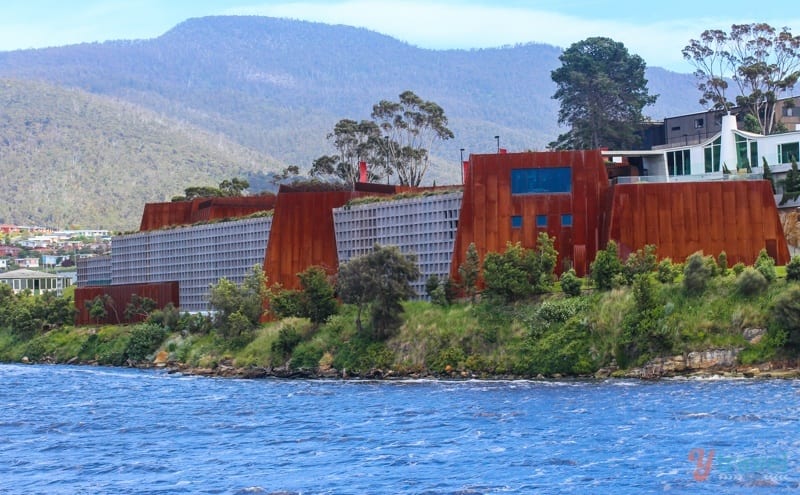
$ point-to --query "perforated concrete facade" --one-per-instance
(94, 271)
(196, 257)
(423, 225)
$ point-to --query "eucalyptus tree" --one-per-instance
(762, 61)
(355, 142)
(602, 90)
(410, 128)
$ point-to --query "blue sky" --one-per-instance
(657, 31)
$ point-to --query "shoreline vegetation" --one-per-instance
(638, 319)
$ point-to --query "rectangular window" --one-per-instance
(698, 123)
(541, 221)
(788, 152)
(789, 111)
(679, 163)
(712, 156)
(742, 158)
(541, 180)
(566, 220)
(516, 222)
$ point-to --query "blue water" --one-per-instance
(104, 430)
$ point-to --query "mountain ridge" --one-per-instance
(278, 86)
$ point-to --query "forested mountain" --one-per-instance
(278, 86)
(68, 157)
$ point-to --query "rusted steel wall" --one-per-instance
(488, 206)
(302, 235)
(302, 232)
(162, 293)
(735, 216)
(160, 215)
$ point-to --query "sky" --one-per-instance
(656, 31)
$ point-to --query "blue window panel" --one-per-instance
(541, 180)
(516, 222)
(566, 220)
(541, 221)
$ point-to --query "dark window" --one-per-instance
(541, 221)
(541, 180)
(788, 152)
(676, 128)
(566, 220)
(699, 123)
(516, 222)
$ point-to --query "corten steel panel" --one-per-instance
(737, 216)
(488, 205)
(162, 293)
(160, 215)
(302, 235)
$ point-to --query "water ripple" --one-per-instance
(103, 430)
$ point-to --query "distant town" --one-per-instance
(47, 249)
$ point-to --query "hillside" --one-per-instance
(73, 158)
(278, 85)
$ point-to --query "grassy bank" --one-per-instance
(550, 335)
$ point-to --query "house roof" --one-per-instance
(23, 273)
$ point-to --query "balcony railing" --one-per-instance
(660, 179)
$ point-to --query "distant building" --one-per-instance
(27, 262)
(34, 281)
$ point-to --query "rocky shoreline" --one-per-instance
(712, 363)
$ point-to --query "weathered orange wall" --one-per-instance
(160, 215)
(735, 216)
(162, 293)
(302, 233)
(488, 205)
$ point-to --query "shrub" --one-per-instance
(145, 339)
(766, 265)
(666, 271)
(696, 273)
(287, 340)
(793, 269)
(722, 263)
(751, 282)
(605, 265)
(571, 283)
(639, 262)
(306, 355)
(786, 315)
(738, 268)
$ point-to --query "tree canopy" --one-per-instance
(762, 61)
(227, 188)
(602, 91)
(397, 142)
(380, 281)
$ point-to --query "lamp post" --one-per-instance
(461, 165)
(497, 138)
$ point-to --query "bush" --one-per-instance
(144, 340)
(666, 271)
(288, 338)
(571, 283)
(696, 273)
(751, 282)
(605, 266)
(722, 263)
(639, 262)
(793, 269)
(786, 315)
(766, 265)
(738, 268)
(306, 356)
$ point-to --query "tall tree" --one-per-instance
(380, 281)
(355, 142)
(763, 62)
(410, 127)
(602, 90)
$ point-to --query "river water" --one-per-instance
(105, 430)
